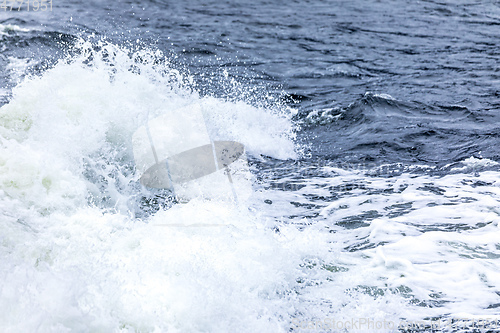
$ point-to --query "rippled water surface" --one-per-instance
(370, 200)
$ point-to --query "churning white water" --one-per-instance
(81, 252)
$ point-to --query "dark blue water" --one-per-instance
(332, 59)
(396, 106)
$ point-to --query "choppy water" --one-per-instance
(371, 200)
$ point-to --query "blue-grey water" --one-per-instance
(372, 189)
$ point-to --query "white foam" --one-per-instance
(433, 239)
(474, 163)
(350, 247)
(75, 257)
(18, 67)
(382, 96)
(5, 28)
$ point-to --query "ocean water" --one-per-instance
(368, 198)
